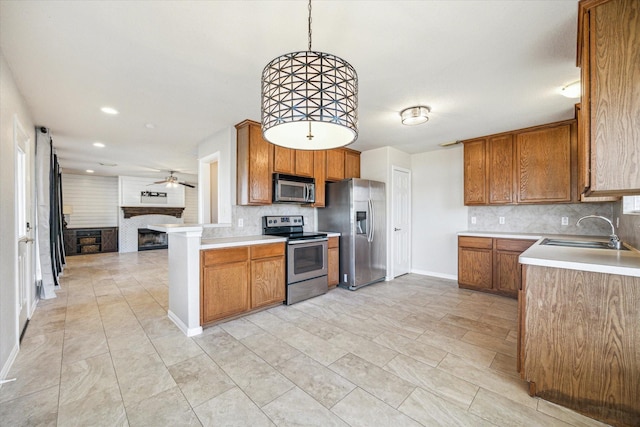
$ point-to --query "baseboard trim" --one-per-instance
(9, 362)
(435, 274)
(190, 332)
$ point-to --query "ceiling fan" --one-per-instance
(172, 181)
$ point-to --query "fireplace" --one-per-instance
(151, 239)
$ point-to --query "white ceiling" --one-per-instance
(192, 68)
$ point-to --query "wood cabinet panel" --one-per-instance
(333, 261)
(501, 179)
(543, 171)
(304, 163)
(267, 250)
(351, 164)
(109, 239)
(226, 255)
(475, 266)
(267, 281)
(581, 341)
(284, 160)
(225, 290)
(608, 42)
(491, 265)
(319, 173)
(254, 165)
(335, 165)
(475, 172)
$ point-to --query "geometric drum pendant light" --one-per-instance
(309, 100)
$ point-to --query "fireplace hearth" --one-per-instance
(151, 239)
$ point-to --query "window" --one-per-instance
(631, 205)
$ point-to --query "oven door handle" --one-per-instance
(312, 240)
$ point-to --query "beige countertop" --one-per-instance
(625, 263)
(227, 242)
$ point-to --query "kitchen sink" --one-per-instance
(588, 244)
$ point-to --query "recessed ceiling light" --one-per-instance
(109, 110)
(572, 90)
(89, 171)
(150, 126)
(98, 144)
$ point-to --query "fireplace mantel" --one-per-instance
(130, 211)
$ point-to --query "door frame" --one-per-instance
(23, 142)
(392, 263)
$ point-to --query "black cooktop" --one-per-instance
(290, 227)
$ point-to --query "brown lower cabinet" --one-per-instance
(333, 261)
(491, 264)
(79, 241)
(239, 279)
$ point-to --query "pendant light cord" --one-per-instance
(309, 26)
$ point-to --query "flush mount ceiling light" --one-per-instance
(109, 110)
(309, 100)
(98, 144)
(572, 90)
(415, 115)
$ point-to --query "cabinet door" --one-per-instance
(69, 239)
(283, 160)
(254, 165)
(225, 290)
(543, 167)
(109, 240)
(333, 261)
(304, 163)
(507, 273)
(501, 170)
(267, 281)
(614, 42)
(475, 262)
(335, 165)
(475, 172)
(319, 172)
(351, 164)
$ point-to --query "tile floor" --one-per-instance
(410, 352)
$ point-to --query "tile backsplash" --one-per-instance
(251, 217)
(543, 219)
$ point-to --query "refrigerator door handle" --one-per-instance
(371, 221)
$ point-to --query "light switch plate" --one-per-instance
(565, 220)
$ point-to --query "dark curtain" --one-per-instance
(55, 216)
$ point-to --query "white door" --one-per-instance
(23, 228)
(401, 220)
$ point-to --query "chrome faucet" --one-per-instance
(614, 240)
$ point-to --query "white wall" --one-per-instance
(11, 104)
(132, 186)
(94, 200)
(438, 211)
(190, 213)
(378, 165)
(220, 147)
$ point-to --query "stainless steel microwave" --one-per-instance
(293, 189)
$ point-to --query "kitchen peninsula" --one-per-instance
(185, 247)
(578, 340)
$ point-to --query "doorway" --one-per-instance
(401, 220)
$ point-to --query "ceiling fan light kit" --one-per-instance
(415, 115)
(309, 100)
(172, 181)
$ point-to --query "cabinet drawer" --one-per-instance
(334, 242)
(475, 242)
(222, 256)
(513, 245)
(268, 250)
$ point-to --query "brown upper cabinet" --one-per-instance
(533, 165)
(254, 165)
(608, 46)
(258, 159)
(292, 162)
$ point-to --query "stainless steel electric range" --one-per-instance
(306, 256)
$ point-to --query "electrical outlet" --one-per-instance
(240, 222)
(565, 220)
(501, 220)
(473, 220)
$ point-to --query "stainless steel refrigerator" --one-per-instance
(356, 209)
